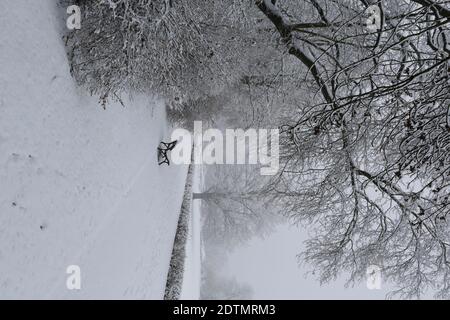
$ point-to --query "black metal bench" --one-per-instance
(163, 148)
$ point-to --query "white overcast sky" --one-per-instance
(269, 265)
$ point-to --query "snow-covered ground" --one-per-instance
(190, 289)
(79, 185)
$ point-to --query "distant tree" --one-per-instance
(235, 205)
(226, 289)
(216, 286)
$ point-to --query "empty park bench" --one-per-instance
(163, 148)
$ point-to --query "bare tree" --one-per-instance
(368, 158)
(236, 205)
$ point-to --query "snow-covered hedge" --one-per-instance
(176, 270)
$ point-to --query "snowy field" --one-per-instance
(79, 185)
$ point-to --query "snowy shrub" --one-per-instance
(173, 47)
(204, 109)
(176, 270)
